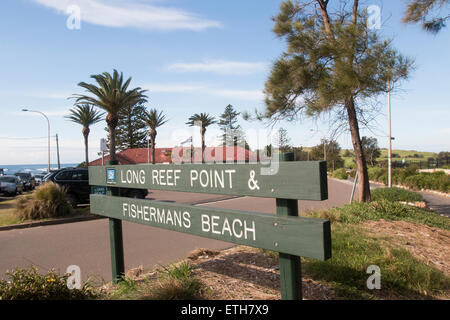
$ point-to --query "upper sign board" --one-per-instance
(300, 180)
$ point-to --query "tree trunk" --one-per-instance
(112, 121)
(112, 143)
(363, 176)
(86, 149)
(86, 132)
(203, 131)
(153, 139)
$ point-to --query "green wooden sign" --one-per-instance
(290, 180)
(292, 235)
(284, 231)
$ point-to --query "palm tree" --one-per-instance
(112, 95)
(85, 115)
(154, 119)
(203, 120)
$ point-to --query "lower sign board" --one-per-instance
(292, 235)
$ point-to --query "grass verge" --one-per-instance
(383, 209)
(402, 275)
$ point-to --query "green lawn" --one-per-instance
(7, 216)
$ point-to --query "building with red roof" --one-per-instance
(180, 154)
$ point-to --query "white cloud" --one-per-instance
(173, 87)
(249, 95)
(222, 67)
(52, 113)
(51, 95)
(132, 13)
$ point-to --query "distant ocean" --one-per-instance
(33, 168)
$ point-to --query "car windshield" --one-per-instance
(8, 179)
(47, 175)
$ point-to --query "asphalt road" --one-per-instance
(86, 244)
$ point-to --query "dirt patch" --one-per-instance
(244, 273)
(430, 245)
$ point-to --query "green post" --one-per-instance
(290, 267)
(116, 238)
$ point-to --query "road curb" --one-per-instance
(90, 217)
(49, 222)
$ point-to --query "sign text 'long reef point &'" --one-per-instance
(229, 179)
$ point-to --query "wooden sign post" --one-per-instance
(284, 232)
(290, 265)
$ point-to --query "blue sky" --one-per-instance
(192, 56)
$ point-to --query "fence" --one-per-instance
(421, 164)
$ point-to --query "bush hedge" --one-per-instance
(340, 174)
(395, 194)
(410, 177)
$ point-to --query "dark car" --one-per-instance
(76, 183)
(29, 183)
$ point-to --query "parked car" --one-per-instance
(76, 182)
(28, 179)
(10, 185)
(38, 178)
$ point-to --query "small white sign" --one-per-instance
(103, 146)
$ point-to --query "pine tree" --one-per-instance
(131, 130)
(228, 124)
(283, 140)
(421, 11)
(334, 63)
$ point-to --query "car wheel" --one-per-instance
(72, 200)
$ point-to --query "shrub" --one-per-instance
(178, 283)
(395, 194)
(47, 201)
(378, 174)
(28, 284)
(340, 174)
(410, 177)
(175, 282)
(425, 180)
(399, 175)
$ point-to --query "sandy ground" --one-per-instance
(430, 245)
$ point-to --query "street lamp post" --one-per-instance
(48, 123)
(390, 138)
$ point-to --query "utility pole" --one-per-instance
(57, 151)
